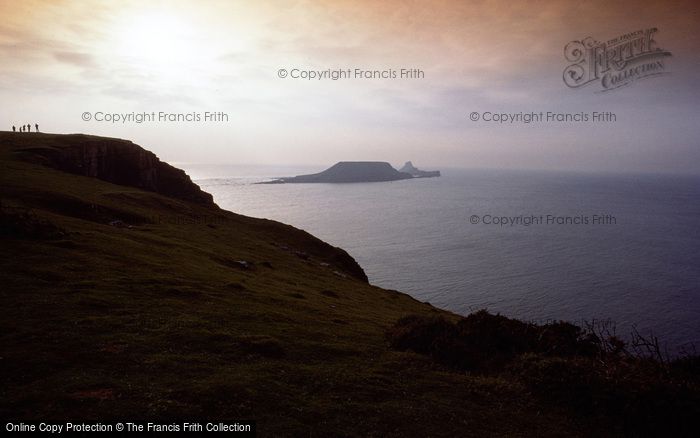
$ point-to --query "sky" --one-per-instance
(61, 59)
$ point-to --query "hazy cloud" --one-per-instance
(490, 55)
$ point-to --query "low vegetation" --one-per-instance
(633, 391)
(122, 304)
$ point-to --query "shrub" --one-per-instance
(565, 365)
(486, 342)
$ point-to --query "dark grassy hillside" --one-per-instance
(124, 303)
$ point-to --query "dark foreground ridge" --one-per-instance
(351, 172)
(137, 302)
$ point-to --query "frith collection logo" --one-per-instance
(615, 63)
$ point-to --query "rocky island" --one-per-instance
(357, 171)
(417, 173)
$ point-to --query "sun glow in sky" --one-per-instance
(157, 39)
(63, 58)
(160, 45)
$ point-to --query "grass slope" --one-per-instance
(154, 318)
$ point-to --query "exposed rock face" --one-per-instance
(125, 163)
(116, 161)
(351, 172)
(417, 173)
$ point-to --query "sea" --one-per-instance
(539, 246)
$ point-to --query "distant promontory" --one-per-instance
(357, 171)
(417, 173)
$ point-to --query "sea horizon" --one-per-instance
(380, 246)
(208, 170)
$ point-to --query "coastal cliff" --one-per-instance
(109, 159)
(123, 163)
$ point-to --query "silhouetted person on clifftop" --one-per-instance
(29, 127)
(21, 129)
(14, 129)
(36, 125)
